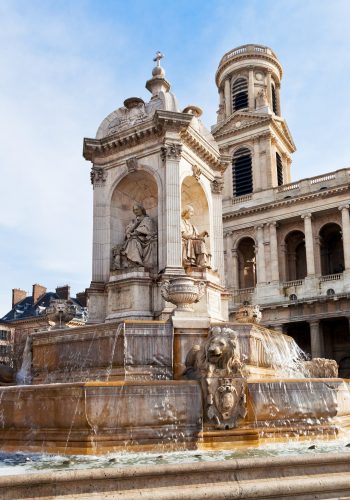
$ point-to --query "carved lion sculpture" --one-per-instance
(321, 368)
(219, 353)
(249, 314)
(217, 365)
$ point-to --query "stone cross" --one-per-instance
(158, 57)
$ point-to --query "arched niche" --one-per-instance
(136, 187)
(193, 194)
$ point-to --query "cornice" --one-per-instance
(204, 150)
(285, 202)
(160, 122)
(258, 120)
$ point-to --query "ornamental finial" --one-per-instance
(158, 57)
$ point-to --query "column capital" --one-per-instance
(171, 151)
(314, 322)
(343, 207)
(234, 252)
(217, 185)
(307, 216)
(272, 223)
(258, 227)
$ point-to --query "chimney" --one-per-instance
(38, 292)
(17, 296)
(81, 298)
(63, 292)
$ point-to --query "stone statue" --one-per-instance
(261, 99)
(217, 365)
(140, 244)
(194, 250)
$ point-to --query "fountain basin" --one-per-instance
(96, 417)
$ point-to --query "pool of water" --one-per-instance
(19, 463)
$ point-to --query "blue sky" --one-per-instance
(65, 65)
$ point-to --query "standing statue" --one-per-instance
(194, 250)
(140, 244)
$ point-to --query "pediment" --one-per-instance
(282, 128)
(239, 121)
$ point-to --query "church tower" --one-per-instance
(250, 127)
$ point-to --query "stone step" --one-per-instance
(304, 477)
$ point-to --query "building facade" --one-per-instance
(287, 244)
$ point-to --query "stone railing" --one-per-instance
(288, 284)
(241, 199)
(243, 49)
(311, 184)
(331, 277)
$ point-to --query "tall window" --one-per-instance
(242, 172)
(240, 94)
(279, 169)
(274, 99)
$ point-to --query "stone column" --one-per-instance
(309, 244)
(261, 272)
(316, 341)
(345, 222)
(235, 270)
(217, 185)
(251, 98)
(227, 93)
(269, 92)
(228, 268)
(274, 252)
(171, 155)
(256, 164)
(101, 228)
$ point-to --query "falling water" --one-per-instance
(120, 327)
(24, 376)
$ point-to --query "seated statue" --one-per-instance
(140, 244)
(194, 250)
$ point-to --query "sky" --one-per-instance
(65, 65)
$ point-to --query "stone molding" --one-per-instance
(286, 202)
(98, 176)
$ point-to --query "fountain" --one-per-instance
(160, 367)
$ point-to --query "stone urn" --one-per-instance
(183, 292)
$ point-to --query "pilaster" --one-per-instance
(274, 252)
(261, 271)
(310, 260)
(171, 155)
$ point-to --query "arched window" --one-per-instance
(296, 256)
(279, 170)
(246, 263)
(274, 99)
(331, 247)
(242, 172)
(240, 94)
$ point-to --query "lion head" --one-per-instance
(221, 348)
(249, 314)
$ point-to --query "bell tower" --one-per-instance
(250, 128)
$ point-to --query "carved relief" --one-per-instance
(217, 365)
(132, 164)
(217, 185)
(197, 171)
(170, 151)
(98, 176)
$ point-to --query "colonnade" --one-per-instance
(266, 250)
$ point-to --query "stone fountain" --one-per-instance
(160, 366)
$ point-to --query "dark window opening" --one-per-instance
(279, 170)
(274, 99)
(240, 94)
(242, 172)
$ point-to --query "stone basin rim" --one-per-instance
(159, 470)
